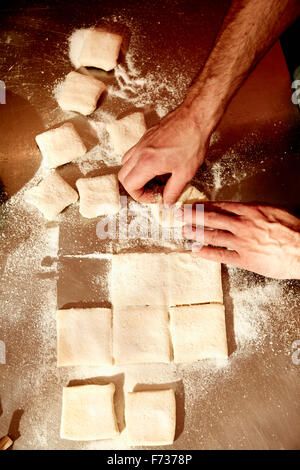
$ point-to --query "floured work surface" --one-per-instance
(251, 401)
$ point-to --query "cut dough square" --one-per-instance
(198, 332)
(150, 417)
(98, 195)
(164, 279)
(141, 334)
(51, 196)
(88, 413)
(84, 337)
(165, 217)
(126, 132)
(80, 93)
(100, 49)
(60, 145)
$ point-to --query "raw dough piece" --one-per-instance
(165, 217)
(80, 93)
(60, 145)
(88, 413)
(98, 195)
(100, 49)
(141, 334)
(164, 279)
(51, 196)
(150, 417)
(126, 132)
(84, 337)
(198, 332)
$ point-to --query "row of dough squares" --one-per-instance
(164, 307)
(140, 334)
(88, 413)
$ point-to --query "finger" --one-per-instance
(209, 237)
(128, 155)
(136, 179)
(126, 168)
(212, 219)
(174, 187)
(223, 206)
(219, 255)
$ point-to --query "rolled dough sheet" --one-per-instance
(51, 196)
(100, 49)
(88, 413)
(198, 332)
(60, 145)
(141, 334)
(98, 195)
(84, 337)
(126, 132)
(165, 216)
(150, 417)
(164, 279)
(80, 93)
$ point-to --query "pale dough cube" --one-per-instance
(98, 195)
(164, 279)
(51, 196)
(84, 337)
(166, 216)
(88, 413)
(80, 93)
(60, 145)
(141, 334)
(198, 332)
(150, 418)
(126, 132)
(100, 49)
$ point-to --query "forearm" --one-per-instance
(248, 31)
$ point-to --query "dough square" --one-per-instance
(164, 279)
(100, 49)
(198, 332)
(51, 196)
(141, 334)
(98, 195)
(88, 413)
(150, 417)
(80, 93)
(166, 216)
(60, 145)
(126, 132)
(84, 337)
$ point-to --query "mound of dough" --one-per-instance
(98, 195)
(88, 413)
(100, 49)
(51, 196)
(126, 132)
(80, 93)
(141, 334)
(150, 418)
(198, 332)
(60, 145)
(164, 279)
(84, 337)
(166, 216)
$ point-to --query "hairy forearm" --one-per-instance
(248, 31)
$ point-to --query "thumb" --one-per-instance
(174, 187)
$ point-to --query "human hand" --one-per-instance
(176, 145)
(259, 238)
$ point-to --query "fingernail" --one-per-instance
(196, 248)
(178, 214)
